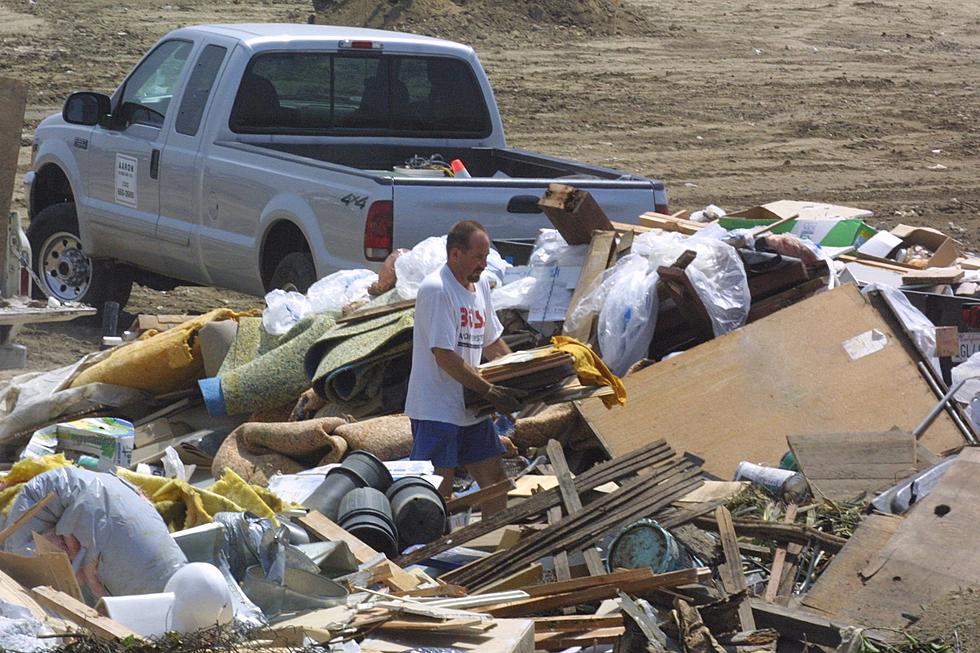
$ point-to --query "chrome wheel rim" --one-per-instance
(65, 270)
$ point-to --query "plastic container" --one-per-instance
(374, 530)
(338, 482)
(366, 500)
(420, 512)
(647, 544)
(370, 468)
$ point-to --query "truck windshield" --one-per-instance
(329, 93)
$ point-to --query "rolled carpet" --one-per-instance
(158, 364)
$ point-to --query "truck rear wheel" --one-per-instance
(65, 271)
(295, 272)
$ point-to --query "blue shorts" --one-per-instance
(448, 446)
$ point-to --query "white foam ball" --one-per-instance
(201, 597)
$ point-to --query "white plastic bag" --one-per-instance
(427, 257)
(515, 294)
(113, 534)
(628, 316)
(550, 248)
(969, 371)
(334, 291)
(283, 310)
(919, 327)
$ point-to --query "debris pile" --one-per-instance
(473, 19)
(750, 431)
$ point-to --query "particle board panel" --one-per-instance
(507, 636)
(738, 396)
(929, 556)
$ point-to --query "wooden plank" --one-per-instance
(732, 576)
(795, 359)
(595, 594)
(459, 504)
(561, 641)
(81, 614)
(926, 558)
(779, 558)
(26, 516)
(798, 533)
(615, 578)
(325, 530)
(842, 466)
(798, 625)
(596, 261)
(613, 470)
(574, 213)
(843, 577)
(13, 101)
(576, 623)
(932, 276)
(517, 581)
(13, 592)
(563, 571)
(48, 567)
(572, 501)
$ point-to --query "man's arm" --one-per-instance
(462, 372)
(496, 349)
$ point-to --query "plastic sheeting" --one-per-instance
(624, 297)
(113, 535)
(427, 257)
(550, 251)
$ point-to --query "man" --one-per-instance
(455, 325)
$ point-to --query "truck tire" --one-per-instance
(66, 272)
(295, 272)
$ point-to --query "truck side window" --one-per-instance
(198, 88)
(150, 88)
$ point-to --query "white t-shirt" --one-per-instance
(447, 316)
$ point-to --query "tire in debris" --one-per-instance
(295, 272)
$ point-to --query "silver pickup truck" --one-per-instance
(253, 157)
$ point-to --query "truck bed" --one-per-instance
(479, 161)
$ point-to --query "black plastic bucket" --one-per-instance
(338, 482)
(374, 530)
(370, 468)
(366, 500)
(420, 512)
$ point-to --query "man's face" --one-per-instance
(469, 264)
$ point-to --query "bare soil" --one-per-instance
(869, 103)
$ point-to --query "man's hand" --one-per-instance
(505, 400)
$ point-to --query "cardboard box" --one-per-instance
(829, 225)
(107, 438)
(943, 247)
(826, 232)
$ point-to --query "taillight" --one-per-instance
(378, 230)
(662, 208)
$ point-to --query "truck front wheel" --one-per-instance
(295, 272)
(64, 270)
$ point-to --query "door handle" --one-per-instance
(523, 204)
(155, 164)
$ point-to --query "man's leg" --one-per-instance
(446, 486)
(436, 442)
(486, 473)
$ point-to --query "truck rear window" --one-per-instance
(362, 94)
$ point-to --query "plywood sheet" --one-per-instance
(929, 556)
(842, 577)
(843, 466)
(737, 397)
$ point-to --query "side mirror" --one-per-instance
(86, 108)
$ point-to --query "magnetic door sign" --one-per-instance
(126, 181)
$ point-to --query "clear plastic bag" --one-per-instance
(516, 294)
(427, 257)
(919, 327)
(334, 291)
(283, 310)
(628, 316)
(969, 371)
(551, 249)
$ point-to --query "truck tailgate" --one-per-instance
(506, 207)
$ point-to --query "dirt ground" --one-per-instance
(866, 103)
